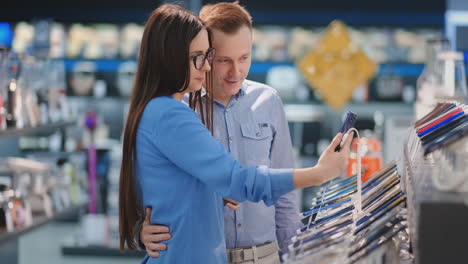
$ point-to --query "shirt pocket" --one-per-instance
(257, 138)
(256, 131)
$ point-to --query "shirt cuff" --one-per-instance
(281, 182)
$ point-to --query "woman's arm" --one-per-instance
(330, 165)
(183, 139)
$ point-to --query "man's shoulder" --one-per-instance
(257, 89)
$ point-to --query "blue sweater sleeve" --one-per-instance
(184, 140)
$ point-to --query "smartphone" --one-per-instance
(348, 123)
(381, 207)
(316, 238)
(390, 168)
(376, 181)
(317, 203)
(439, 109)
(380, 219)
(368, 200)
(439, 119)
(344, 193)
(324, 230)
(394, 205)
(381, 200)
(370, 184)
(323, 207)
(388, 219)
(379, 242)
(381, 235)
(329, 218)
(447, 139)
(338, 184)
(309, 249)
(443, 130)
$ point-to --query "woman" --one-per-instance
(170, 160)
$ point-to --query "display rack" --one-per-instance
(40, 221)
(257, 67)
(42, 130)
(437, 220)
(9, 241)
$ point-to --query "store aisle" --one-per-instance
(43, 246)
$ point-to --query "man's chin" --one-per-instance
(232, 86)
(232, 90)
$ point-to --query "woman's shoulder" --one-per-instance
(161, 107)
(165, 104)
(161, 112)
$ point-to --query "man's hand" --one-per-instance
(150, 235)
(231, 204)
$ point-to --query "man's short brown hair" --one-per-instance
(226, 17)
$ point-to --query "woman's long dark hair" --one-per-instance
(163, 69)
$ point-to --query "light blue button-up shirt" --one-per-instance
(182, 172)
(254, 129)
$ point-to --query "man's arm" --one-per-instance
(281, 156)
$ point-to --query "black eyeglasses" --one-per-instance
(199, 60)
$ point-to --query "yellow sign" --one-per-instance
(335, 67)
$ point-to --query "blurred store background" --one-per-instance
(75, 66)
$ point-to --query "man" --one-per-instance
(250, 122)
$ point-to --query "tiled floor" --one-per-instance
(43, 246)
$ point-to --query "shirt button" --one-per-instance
(258, 134)
(239, 225)
(231, 138)
(227, 110)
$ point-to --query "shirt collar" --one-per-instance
(239, 94)
(203, 92)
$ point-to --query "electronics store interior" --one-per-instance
(354, 110)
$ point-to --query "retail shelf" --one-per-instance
(283, 17)
(102, 64)
(309, 112)
(400, 69)
(354, 18)
(40, 221)
(80, 14)
(257, 67)
(39, 130)
(386, 108)
(304, 112)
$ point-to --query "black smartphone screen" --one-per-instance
(348, 123)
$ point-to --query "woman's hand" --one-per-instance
(152, 236)
(331, 164)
